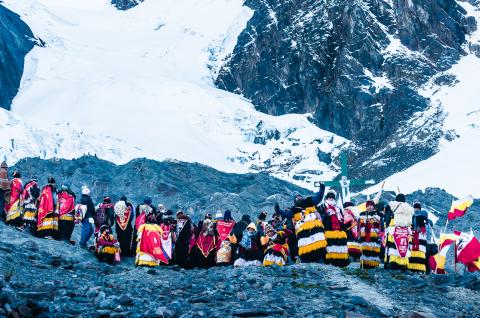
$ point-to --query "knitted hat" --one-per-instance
(51, 180)
(370, 203)
(4, 165)
(417, 205)
(17, 174)
(107, 200)
(85, 190)
(252, 226)
(169, 213)
(208, 216)
(123, 198)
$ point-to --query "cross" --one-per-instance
(344, 182)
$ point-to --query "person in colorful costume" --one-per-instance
(4, 188)
(107, 248)
(351, 227)
(249, 252)
(237, 234)
(369, 225)
(224, 227)
(204, 251)
(142, 212)
(13, 206)
(149, 246)
(277, 252)
(47, 221)
(168, 235)
(30, 196)
(398, 220)
(309, 229)
(417, 261)
(124, 225)
(335, 233)
(66, 212)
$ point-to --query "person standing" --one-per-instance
(369, 225)
(13, 204)
(124, 225)
(66, 212)
(398, 221)
(418, 259)
(30, 195)
(309, 228)
(47, 222)
(184, 231)
(4, 188)
(335, 234)
(87, 220)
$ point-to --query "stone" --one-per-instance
(241, 296)
(31, 245)
(125, 300)
(103, 313)
(164, 312)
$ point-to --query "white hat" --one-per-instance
(85, 190)
(219, 215)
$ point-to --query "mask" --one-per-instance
(331, 201)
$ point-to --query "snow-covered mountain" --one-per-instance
(145, 79)
(144, 76)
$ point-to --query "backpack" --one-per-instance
(100, 216)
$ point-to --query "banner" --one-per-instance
(224, 229)
(401, 236)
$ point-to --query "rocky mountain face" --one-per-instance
(357, 66)
(46, 278)
(126, 4)
(195, 188)
(16, 40)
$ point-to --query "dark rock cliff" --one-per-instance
(126, 4)
(16, 40)
(356, 66)
(193, 187)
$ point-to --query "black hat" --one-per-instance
(107, 200)
(208, 216)
(417, 205)
(123, 198)
(4, 165)
(262, 216)
(246, 218)
(169, 213)
(227, 216)
(400, 197)
(51, 180)
(347, 204)
(17, 174)
(147, 200)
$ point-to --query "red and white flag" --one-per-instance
(468, 248)
(460, 207)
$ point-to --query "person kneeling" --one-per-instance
(107, 247)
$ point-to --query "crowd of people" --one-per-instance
(314, 229)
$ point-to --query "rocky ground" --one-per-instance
(45, 278)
